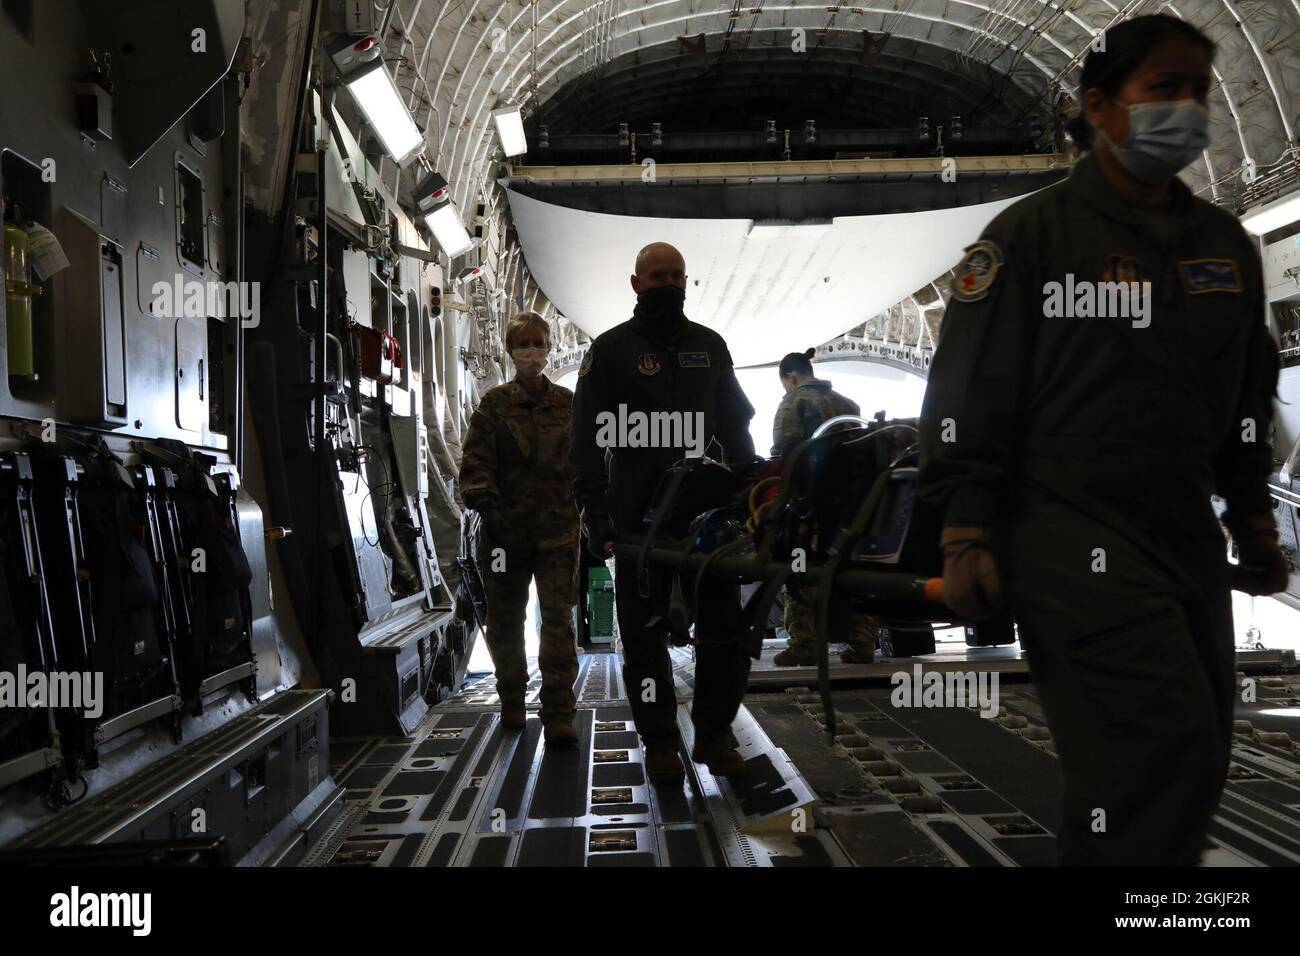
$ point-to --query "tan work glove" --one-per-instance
(971, 587)
(1263, 568)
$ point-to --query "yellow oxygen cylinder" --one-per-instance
(18, 302)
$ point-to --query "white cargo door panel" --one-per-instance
(191, 387)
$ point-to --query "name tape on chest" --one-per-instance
(693, 359)
(1210, 275)
(977, 271)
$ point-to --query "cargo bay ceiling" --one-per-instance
(726, 79)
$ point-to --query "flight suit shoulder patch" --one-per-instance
(693, 359)
(977, 271)
(1210, 275)
(585, 367)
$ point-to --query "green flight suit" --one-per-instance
(1091, 444)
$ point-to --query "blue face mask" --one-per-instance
(1164, 138)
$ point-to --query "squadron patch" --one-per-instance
(976, 271)
(1210, 275)
(649, 364)
(693, 359)
(1121, 268)
(585, 367)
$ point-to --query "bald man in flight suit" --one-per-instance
(659, 361)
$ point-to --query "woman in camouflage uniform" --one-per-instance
(808, 402)
(516, 475)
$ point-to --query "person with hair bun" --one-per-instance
(1104, 368)
(808, 402)
(515, 473)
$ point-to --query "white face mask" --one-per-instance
(529, 362)
(1164, 138)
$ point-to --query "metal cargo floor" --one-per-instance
(912, 787)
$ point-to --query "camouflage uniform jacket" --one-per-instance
(517, 453)
(802, 410)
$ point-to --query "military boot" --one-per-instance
(560, 731)
(513, 713)
(858, 654)
(796, 655)
(662, 763)
(713, 752)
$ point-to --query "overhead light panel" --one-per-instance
(1274, 215)
(510, 130)
(377, 95)
(433, 201)
(450, 233)
(375, 92)
(432, 191)
(469, 273)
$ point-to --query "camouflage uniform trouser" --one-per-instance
(854, 629)
(505, 585)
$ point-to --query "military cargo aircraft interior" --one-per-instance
(649, 433)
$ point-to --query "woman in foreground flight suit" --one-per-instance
(516, 474)
(1104, 368)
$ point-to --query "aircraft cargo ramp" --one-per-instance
(915, 786)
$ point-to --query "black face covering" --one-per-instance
(660, 311)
